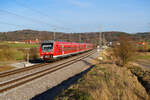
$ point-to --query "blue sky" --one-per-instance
(75, 15)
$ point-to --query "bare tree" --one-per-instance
(124, 50)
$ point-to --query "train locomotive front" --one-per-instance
(46, 50)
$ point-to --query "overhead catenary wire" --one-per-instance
(16, 25)
(34, 10)
(24, 17)
(41, 13)
(31, 19)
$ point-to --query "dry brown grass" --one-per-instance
(106, 81)
(143, 75)
(5, 65)
(5, 68)
(9, 54)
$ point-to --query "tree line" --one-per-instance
(89, 37)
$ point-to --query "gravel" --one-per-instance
(38, 86)
(8, 78)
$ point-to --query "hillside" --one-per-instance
(91, 37)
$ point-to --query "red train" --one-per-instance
(55, 49)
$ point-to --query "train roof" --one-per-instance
(52, 41)
(48, 41)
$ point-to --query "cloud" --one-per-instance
(81, 3)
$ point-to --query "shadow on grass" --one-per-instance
(50, 94)
(143, 77)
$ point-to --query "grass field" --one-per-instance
(4, 65)
(143, 59)
(143, 76)
(143, 56)
(5, 68)
(106, 81)
(16, 51)
(145, 48)
(13, 52)
(19, 45)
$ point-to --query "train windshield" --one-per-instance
(46, 47)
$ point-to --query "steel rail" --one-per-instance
(6, 82)
(36, 75)
(72, 60)
(16, 71)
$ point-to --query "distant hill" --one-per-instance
(91, 37)
(143, 36)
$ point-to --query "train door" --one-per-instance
(62, 46)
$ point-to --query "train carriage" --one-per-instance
(56, 49)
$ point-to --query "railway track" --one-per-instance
(16, 71)
(8, 73)
(8, 85)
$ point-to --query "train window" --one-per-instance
(68, 48)
(47, 47)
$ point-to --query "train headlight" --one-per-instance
(41, 57)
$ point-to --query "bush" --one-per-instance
(34, 53)
(125, 51)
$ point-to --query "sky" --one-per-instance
(75, 15)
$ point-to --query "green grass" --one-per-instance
(143, 56)
(23, 45)
(20, 45)
(16, 51)
(19, 55)
(145, 48)
(9, 54)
